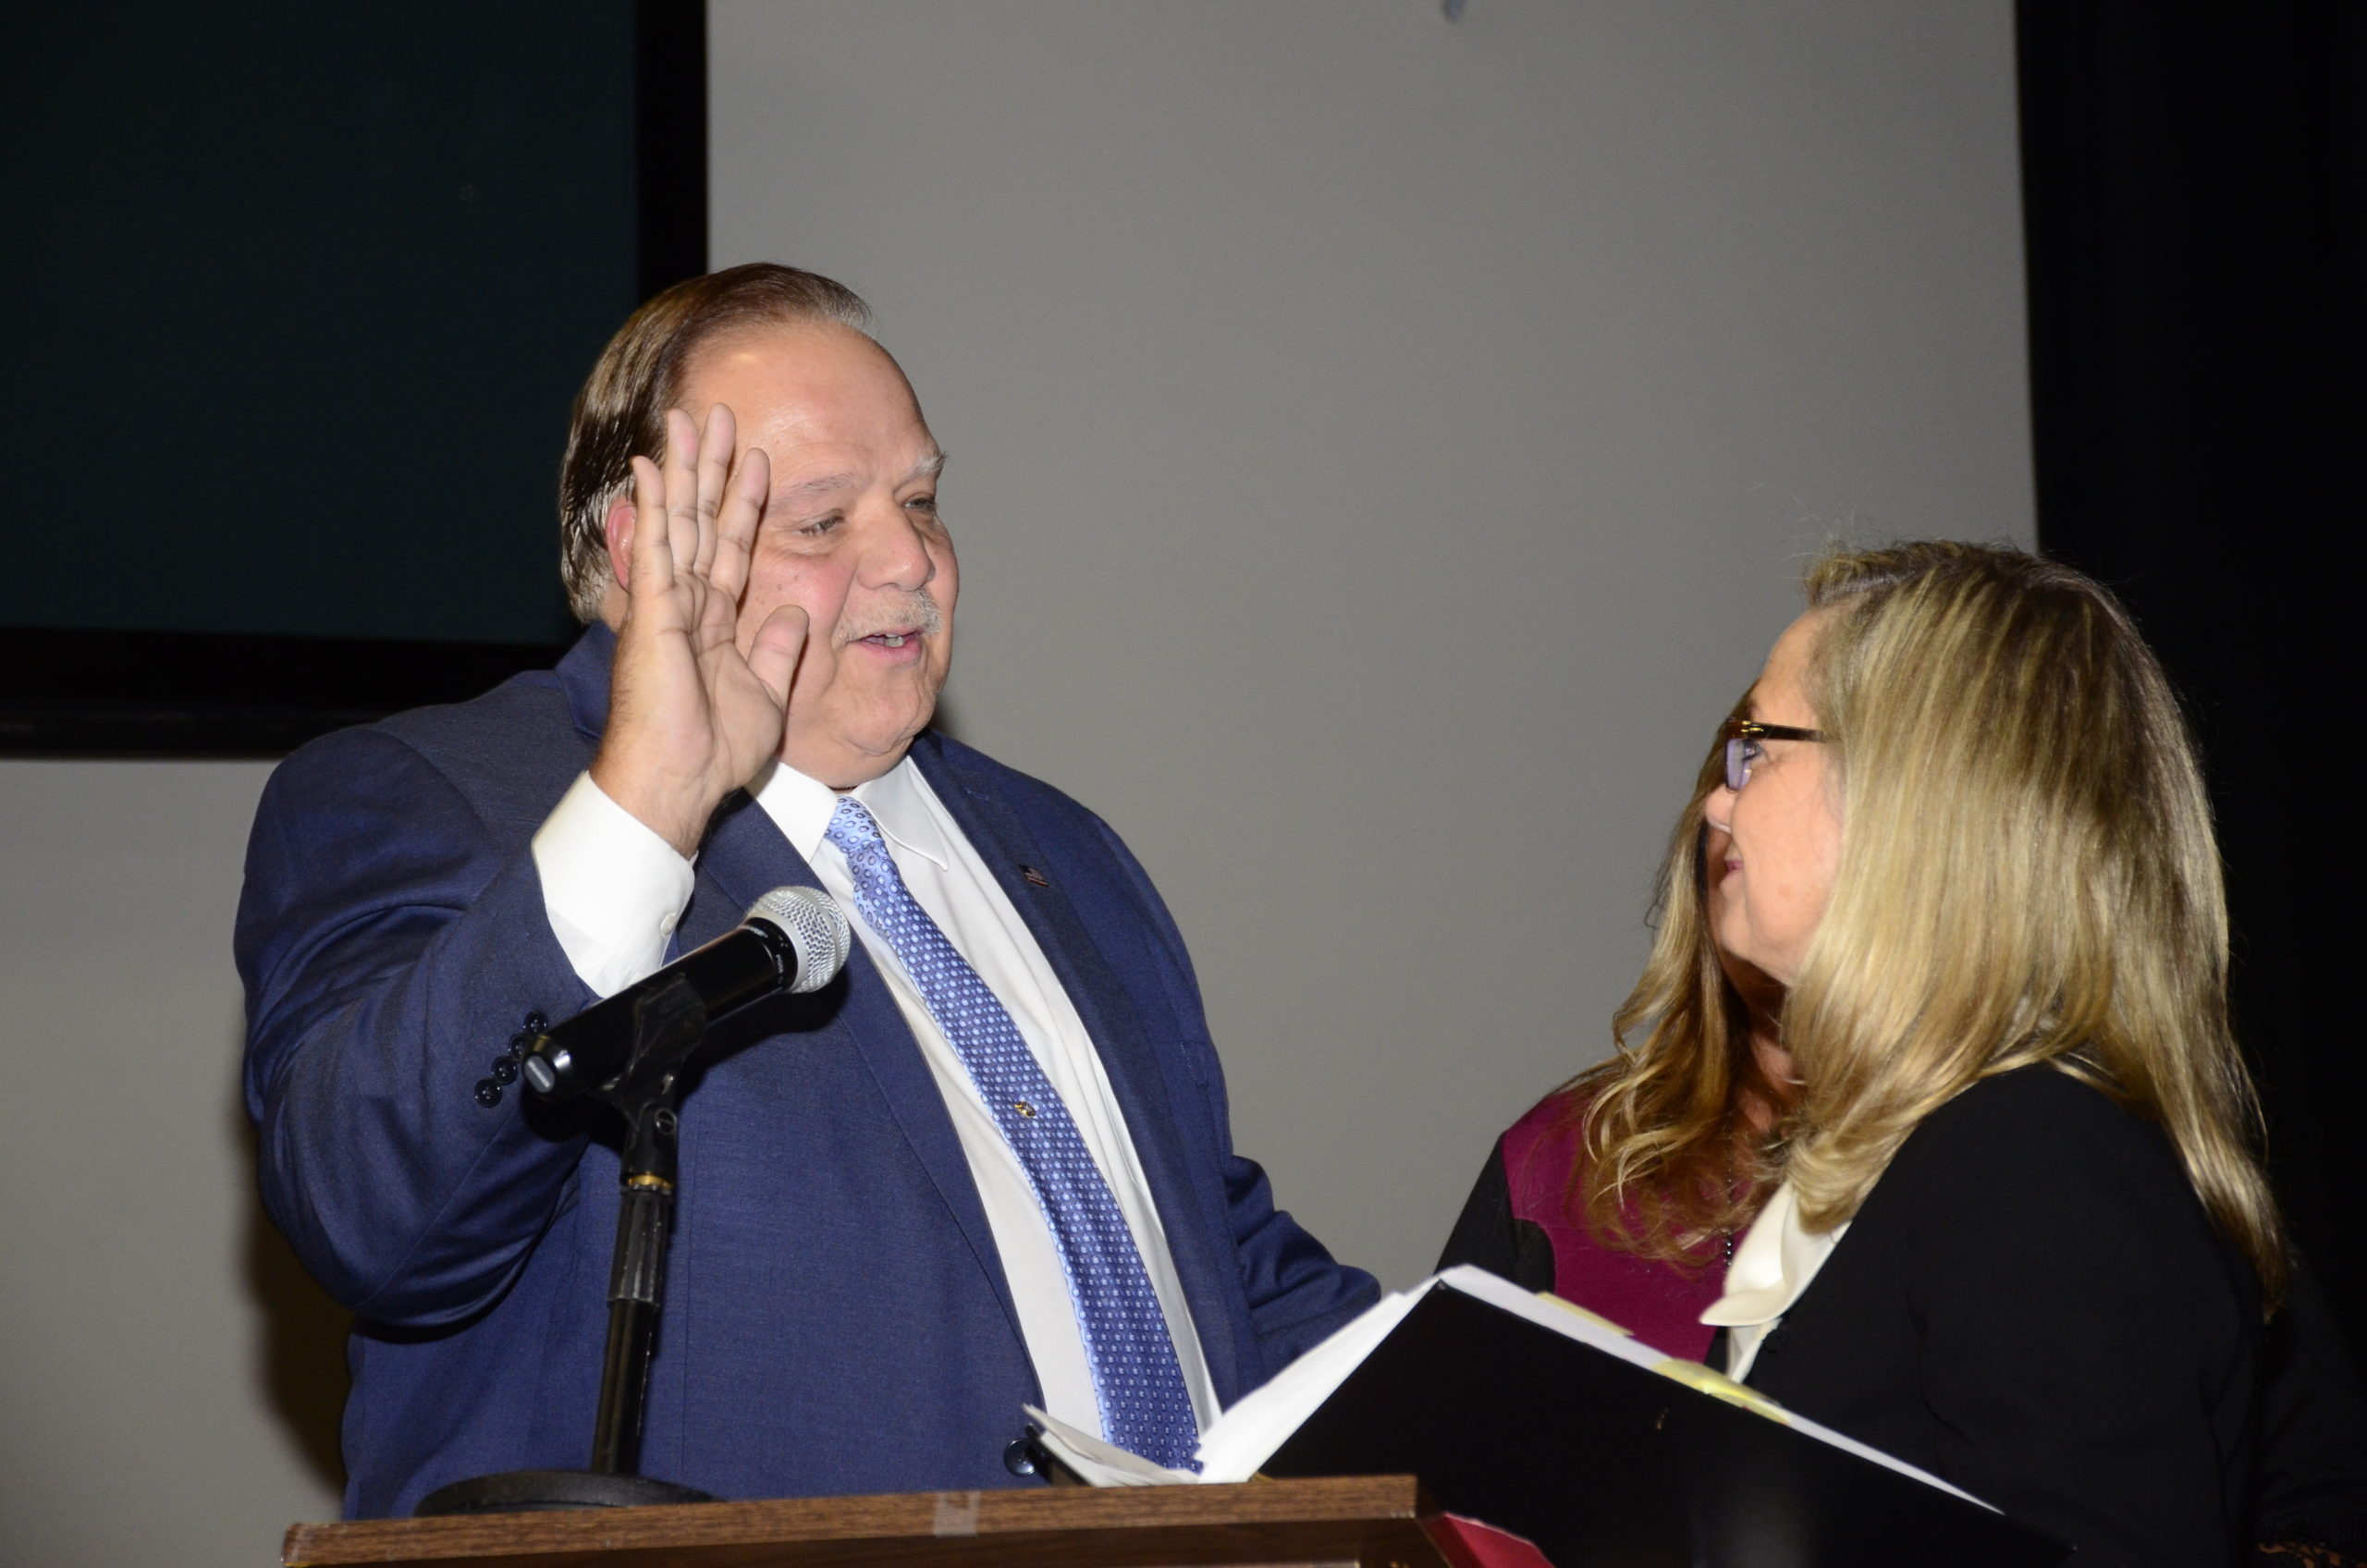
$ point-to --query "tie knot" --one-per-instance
(851, 827)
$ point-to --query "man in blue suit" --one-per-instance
(989, 1165)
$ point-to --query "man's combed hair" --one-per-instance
(2027, 875)
(620, 412)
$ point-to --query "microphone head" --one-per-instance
(816, 929)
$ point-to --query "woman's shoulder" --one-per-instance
(1556, 1112)
(2041, 1162)
(2039, 1119)
(1541, 1149)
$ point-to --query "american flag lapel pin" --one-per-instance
(1034, 878)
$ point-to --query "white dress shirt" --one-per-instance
(614, 890)
(1777, 1258)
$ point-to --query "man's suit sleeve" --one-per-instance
(1297, 1293)
(391, 941)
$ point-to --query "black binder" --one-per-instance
(1605, 1463)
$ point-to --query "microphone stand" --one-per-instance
(668, 1024)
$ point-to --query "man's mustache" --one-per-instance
(916, 613)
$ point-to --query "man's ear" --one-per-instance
(618, 530)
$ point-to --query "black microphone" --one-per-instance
(794, 939)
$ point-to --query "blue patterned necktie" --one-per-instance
(1136, 1376)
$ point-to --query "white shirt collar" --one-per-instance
(897, 800)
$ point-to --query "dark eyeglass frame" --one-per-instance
(1741, 734)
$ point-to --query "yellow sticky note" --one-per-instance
(1597, 1318)
(1717, 1385)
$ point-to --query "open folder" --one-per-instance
(1543, 1418)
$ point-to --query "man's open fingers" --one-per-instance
(681, 488)
(716, 442)
(735, 528)
(653, 563)
(772, 658)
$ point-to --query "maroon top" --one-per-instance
(1661, 1304)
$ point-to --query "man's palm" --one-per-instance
(691, 718)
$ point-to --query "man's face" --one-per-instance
(850, 535)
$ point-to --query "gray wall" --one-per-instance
(169, 1380)
(1381, 448)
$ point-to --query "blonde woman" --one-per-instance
(2007, 1221)
(1623, 1191)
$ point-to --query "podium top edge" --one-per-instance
(913, 1516)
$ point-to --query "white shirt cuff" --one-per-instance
(613, 890)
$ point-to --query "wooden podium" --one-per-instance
(1364, 1521)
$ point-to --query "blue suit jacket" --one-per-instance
(837, 1318)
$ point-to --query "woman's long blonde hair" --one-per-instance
(2028, 875)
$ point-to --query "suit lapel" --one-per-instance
(1129, 1055)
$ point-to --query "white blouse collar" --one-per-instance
(1776, 1260)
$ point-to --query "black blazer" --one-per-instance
(2033, 1303)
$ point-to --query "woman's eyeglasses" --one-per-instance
(1743, 736)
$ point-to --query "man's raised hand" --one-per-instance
(691, 718)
